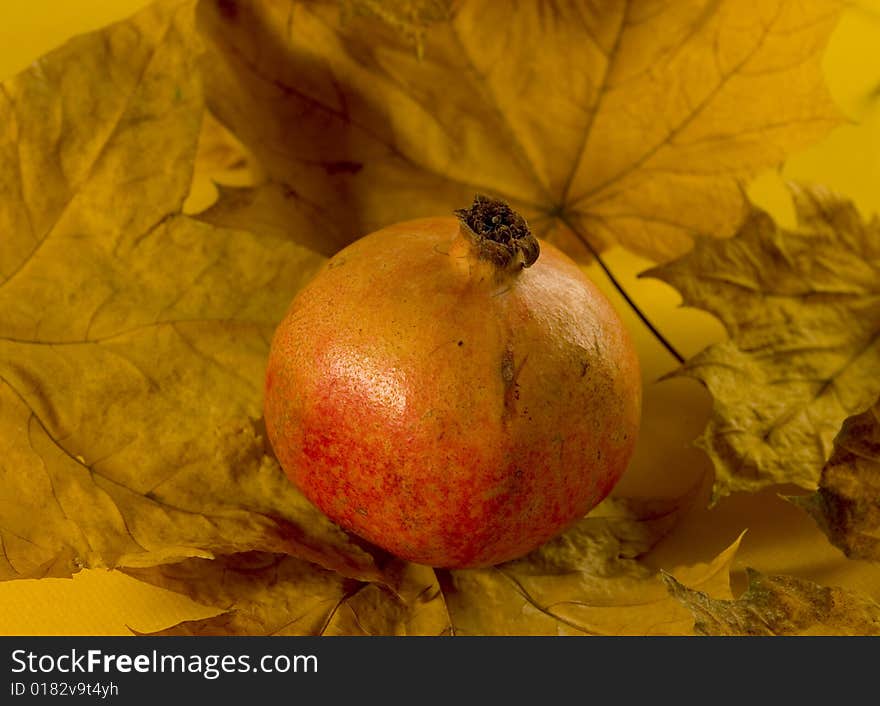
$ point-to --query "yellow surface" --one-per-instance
(780, 538)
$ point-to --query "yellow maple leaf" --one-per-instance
(630, 122)
(588, 581)
(803, 315)
(273, 594)
(133, 338)
(261, 593)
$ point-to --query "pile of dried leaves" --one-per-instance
(133, 334)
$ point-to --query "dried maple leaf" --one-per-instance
(631, 120)
(218, 149)
(781, 605)
(273, 594)
(408, 17)
(415, 606)
(587, 581)
(259, 593)
(847, 504)
(803, 313)
(133, 338)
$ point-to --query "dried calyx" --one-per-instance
(499, 234)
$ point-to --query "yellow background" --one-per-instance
(780, 538)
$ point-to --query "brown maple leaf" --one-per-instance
(781, 605)
(847, 505)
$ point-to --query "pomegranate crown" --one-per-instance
(499, 233)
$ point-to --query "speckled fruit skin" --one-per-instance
(451, 415)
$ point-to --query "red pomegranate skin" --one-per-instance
(451, 413)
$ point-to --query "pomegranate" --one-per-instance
(453, 390)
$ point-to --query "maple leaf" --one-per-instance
(781, 605)
(629, 121)
(589, 580)
(847, 505)
(259, 592)
(218, 149)
(132, 338)
(273, 594)
(802, 309)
